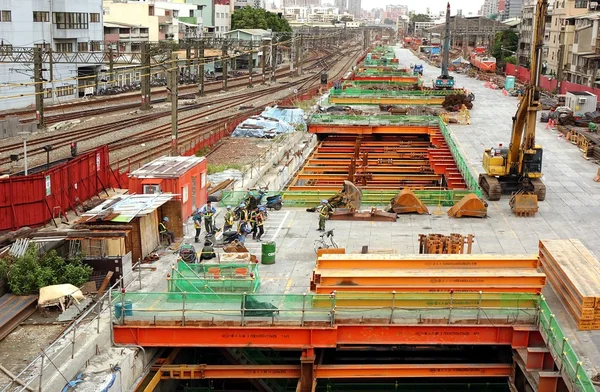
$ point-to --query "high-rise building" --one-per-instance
(341, 5)
(512, 9)
(354, 8)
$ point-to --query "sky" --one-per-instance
(420, 6)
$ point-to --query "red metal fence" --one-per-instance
(548, 83)
(35, 199)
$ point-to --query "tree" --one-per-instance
(388, 21)
(258, 18)
(413, 18)
(28, 273)
(510, 59)
(505, 43)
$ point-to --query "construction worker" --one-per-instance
(208, 251)
(208, 212)
(197, 217)
(324, 210)
(465, 114)
(164, 231)
(243, 223)
(252, 222)
(260, 221)
(229, 218)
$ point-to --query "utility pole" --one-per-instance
(145, 82)
(200, 56)
(250, 64)
(173, 84)
(111, 65)
(365, 39)
(188, 57)
(224, 61)
(263, 62)
(273, 60)
(39, 87)
(297, 44)
(51, 66)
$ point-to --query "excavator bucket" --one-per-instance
(597, 177)
(349, 197)
(524, 204)
(407, 202)
(470, 205)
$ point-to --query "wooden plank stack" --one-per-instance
(574, 273)
(431, 273)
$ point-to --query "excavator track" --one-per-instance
(490, 186)
(539, 188)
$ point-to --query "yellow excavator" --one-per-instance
(517, 169)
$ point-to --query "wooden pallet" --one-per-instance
(574, 273)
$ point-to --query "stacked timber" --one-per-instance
(427, 273)
(574, 273)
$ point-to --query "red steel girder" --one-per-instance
(392, 129)
(191, 372)
(323, 337)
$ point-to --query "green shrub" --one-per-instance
(27, 274)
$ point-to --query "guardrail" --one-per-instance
(297, 309)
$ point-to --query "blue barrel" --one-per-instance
(510, 83)
(119, 308)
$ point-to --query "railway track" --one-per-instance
(159, 95)
(189, 133)
(35, 146)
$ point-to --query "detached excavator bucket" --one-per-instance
(597, 177)
(470, 205)
(349, 197)
(524, 204)
(407, 202)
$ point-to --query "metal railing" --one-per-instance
(463, 167)
(87, 321)
(342, 307)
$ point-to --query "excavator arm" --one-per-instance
(522, 143)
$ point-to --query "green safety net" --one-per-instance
(380, 72)
(209, 277)
(370, 197)
(382, 119)
(463, 167)
(393, 93)
(343, 307)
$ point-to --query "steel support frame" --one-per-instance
(308, 372)
(325, 337)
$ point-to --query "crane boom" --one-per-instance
(445, 81)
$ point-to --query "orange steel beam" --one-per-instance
(346, 161)
(380, 177)
(322, 289)
(202, 371)
(373, 169)
(320, 337)
(386, 155)
(432, 261)
(371, 129)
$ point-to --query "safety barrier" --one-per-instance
(322, 118)
(298, 309)
(463, 167)
(370, 197)
(567, 360)
(393, 93)
(212, 278)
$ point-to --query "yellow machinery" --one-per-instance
(518, 167)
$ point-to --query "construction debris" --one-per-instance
(454, 102)
(445, 244)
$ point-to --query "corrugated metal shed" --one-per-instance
(128, 207)
(167, 167)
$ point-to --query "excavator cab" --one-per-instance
(532, 162)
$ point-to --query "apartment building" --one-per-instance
(354, 8)
(65, 27)
(562, 34)
(583, 61)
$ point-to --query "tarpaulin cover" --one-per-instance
(51, 295)
(271, 122)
